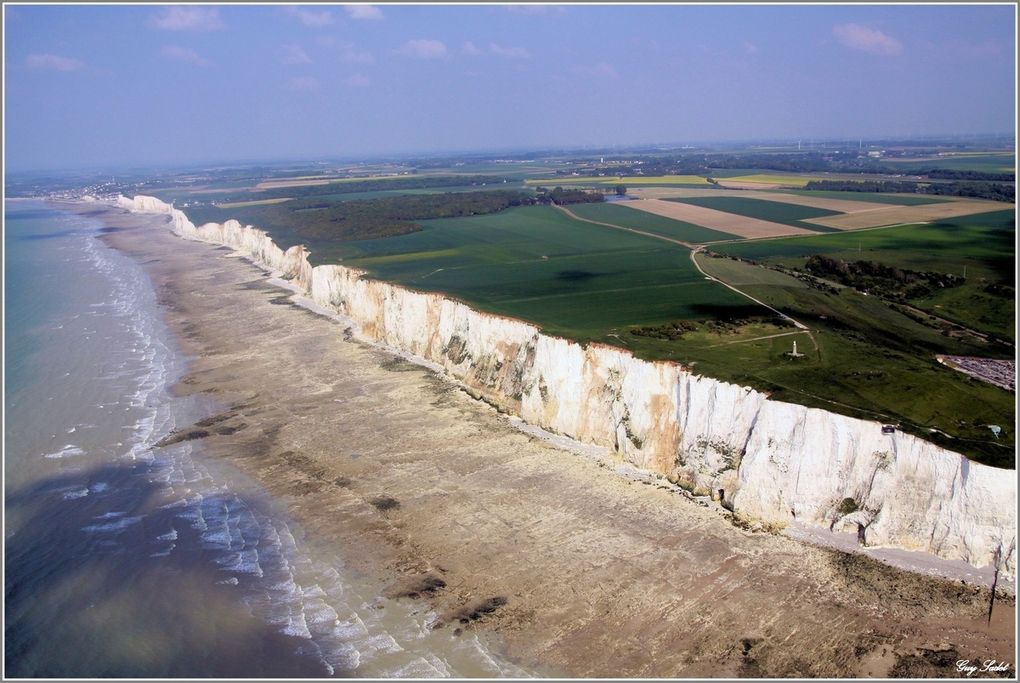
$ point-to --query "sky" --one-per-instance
(149, 85)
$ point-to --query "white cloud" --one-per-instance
(304, 84)
(363, 12)
(184, 54)
(352, 55)
(54, 62)
(358, 81)
(191, 18)
(600, 70)
(470, 48)
(423, 49)
(750, 48)
(867, 39)
(509, 52)
(311, 18)
(294, 54)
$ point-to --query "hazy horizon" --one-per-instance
(109, 86)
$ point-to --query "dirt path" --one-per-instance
(577, 571)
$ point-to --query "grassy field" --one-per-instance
(872, 362)
(774, 179)
(776, 212)
(982, 245)
(876, 197)
(627, 180)
(988, 162)
(570, 277)
(618, 213)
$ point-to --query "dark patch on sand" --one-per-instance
(473, 612)
(398, 364)
(385, 503)
(177, 437)
(421, 587)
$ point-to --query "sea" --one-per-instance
(127, 560)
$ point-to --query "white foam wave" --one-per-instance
(68, 451)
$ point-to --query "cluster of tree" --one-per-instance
(955, 174)
(1002, 192)
(318, 220)
(668, 332)
(408, 182)
(889, 282)
(560, 195)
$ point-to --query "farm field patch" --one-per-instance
(733, 224)
(767, 210)
(871, 197)
(909, 214)
(772, 179)
(627, 180)
(620, 213)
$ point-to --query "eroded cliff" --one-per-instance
(773, 461)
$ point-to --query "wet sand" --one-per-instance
(574, 570)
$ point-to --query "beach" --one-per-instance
(549, 560)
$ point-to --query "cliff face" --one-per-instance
(774, 461)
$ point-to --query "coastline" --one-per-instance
(339, 429)
(775, 463)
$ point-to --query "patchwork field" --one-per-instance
(730, 223)
(767, 210)
(619, 213)
(909, 214)
(879, 198)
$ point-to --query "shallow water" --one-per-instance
(124, 560)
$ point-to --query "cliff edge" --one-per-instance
(768, 460)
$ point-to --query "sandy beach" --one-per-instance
(568, 568)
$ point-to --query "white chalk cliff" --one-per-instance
(775, 461)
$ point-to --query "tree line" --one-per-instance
(1002, 192)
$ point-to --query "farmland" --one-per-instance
(572, 278)
(621, 214)
(980, 246)
(867, 355)
(777, 212)
(871, 361)
(626, 180)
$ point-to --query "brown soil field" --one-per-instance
(841, 205)
(897, 215)
(740, 226)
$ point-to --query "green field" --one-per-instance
(776, 212)
(871, 362)
(983, 243)
(875, 197)
(668, 180)
(775, 179)
(618, 213)
(980, 245)
(988, 162)
(570, 277)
